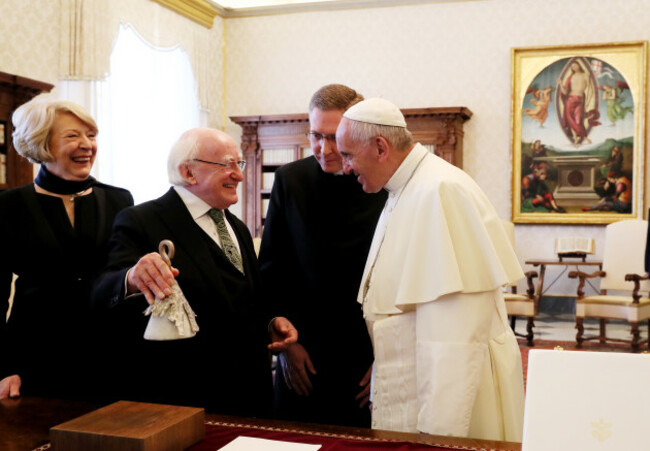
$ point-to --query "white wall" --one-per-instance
(29, 38)
(438, 54)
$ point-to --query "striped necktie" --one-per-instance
(226, 241)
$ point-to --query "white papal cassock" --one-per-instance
(446, 360)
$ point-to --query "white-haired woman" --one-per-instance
(54, 236)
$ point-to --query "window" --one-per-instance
(148, 101)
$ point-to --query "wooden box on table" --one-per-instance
(127, 426)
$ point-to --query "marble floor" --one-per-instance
(561, 326)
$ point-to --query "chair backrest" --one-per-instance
(624, 254)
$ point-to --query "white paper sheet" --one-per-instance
(260, 444)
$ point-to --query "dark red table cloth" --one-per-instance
(219, 434)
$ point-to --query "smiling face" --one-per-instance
(361, 159)
(216, 185)
(73, 146)
(324, 123)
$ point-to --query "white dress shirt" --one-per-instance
(199, 211)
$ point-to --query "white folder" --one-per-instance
(582, 400)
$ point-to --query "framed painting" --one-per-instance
(578, 135)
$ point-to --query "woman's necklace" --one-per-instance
(79, 194)
(65, 197)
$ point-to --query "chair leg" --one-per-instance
(581, 331)
(636, 335)
(603, 332)
(513, 319)
(529, 329)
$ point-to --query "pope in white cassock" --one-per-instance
(446, 360)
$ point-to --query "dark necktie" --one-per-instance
(226, 241)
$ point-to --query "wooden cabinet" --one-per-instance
(268, 142)
(14, 91)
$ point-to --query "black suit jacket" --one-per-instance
(316, 238)
(224, 368)
(55, 264)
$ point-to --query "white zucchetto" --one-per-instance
(376, 111)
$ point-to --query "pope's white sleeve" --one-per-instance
(452, 336)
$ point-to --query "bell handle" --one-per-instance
(166, 251)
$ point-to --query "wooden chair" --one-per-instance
(623, 271)
(524, 305)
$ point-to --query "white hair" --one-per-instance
(33, 124)
(399, 137)
(184, 149)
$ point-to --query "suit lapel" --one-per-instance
(188, 235)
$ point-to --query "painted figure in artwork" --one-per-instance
(620, 200)
(537, 150)
(614, 163)
(535, 194)
(577, 119)
(612, 95)
(542, 98)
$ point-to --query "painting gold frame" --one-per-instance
(578, 135)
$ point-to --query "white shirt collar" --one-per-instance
(195, 205)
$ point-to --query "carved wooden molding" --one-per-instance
(200, 11)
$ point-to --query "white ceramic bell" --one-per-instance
(171, 318)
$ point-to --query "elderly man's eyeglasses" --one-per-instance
(231, 165)
(315, 136)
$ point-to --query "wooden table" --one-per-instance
(566, 263)
(25, 424)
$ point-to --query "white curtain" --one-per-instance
(148, 100)
(89, 29)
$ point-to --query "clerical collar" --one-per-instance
(405, 170)
(57, 185)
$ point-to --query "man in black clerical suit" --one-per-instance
(316, 238)
(225, 366)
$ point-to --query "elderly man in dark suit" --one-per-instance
(225, 366)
